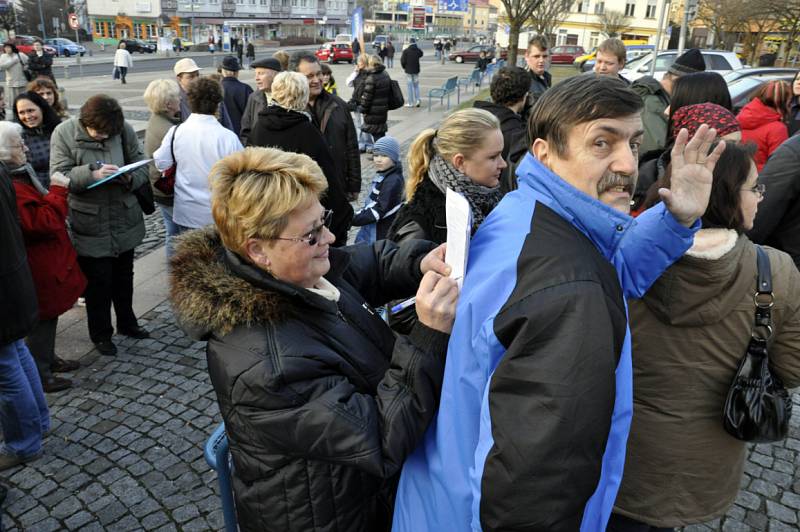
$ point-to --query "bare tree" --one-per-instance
(549, 15)
(8, 19)
(788, 20)
(614, 23)
(725, 19)
(518, 13)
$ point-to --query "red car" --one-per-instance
(333, 52)
(565, 55)
(471, 54)
(24, 44)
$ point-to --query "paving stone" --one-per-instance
(756, 520)
(78, 520)
(67, 507)
(92, 492)
(731, 525)
(155, 520)
(100, 504)
(199, 525)
(94, 526)
(185, 513)
(792, 500)
(128, 491)
(112, 512)
(781, 513)
(763, 488)
(126, 523)
(748, 500)
(30, 518)
(777, 526)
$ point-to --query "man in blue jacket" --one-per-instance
(536, 401)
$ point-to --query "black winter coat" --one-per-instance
(409, 59)
(358, 90)
(19, 309)
(777, 222)
(375, 101)
(41, 66)
(236, 94)
(515, 140)
(423, 217)
(322, 403)
(292, 131)
(332, 117)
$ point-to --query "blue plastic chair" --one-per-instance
(218, 457)
(449, 87)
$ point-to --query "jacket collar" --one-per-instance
(601, 224)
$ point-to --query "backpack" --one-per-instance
(396, 100)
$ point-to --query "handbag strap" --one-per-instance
(763, 298)
(172, 144)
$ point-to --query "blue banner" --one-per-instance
(357, 24)
(453, 5)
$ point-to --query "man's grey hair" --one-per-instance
(10, 136)
(301, 57)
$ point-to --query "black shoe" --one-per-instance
(56, 384)
(60, 365)
(8, 461)
(106, 347)
(134, 332)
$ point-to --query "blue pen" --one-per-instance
(402, 306)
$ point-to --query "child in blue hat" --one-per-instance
(387, 193)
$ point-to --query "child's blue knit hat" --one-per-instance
(389, 147)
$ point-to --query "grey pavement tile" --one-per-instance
(78, 520)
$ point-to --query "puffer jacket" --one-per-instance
(157, 127)
(41, 65)
(375, 101)
(19, 310)
(763, 126)
(689, 333)
(321, 402)
(106, 220)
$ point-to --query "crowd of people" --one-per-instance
(574, 378)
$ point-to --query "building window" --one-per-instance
(651, 9)
(599, 8)
(264, 2)
(594, 39)
(98, 28)
(630, 7)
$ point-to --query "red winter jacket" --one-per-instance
(763, 126)
(51, 256)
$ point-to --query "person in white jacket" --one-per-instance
(122, 61)
(13, 64)
(200, 141)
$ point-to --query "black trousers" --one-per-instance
(620, 523)
(123, 71)
(41, 343)
(109, 280)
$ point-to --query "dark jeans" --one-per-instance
(109, 280)
(123, 71)
(620, 523)
(42, 344)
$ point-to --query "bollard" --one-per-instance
(66, 71)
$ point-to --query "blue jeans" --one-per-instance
(171, 228)
(413, 88)
(389, 62)
(24, 416)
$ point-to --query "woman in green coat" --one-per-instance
(106, 220)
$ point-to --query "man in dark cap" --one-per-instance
(656, 97)
(236, 92)
(266, 70)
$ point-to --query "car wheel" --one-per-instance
(66, 53)
(459, 59)
(82, 53)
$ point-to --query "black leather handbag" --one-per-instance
(758, 407)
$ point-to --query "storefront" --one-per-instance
(109, 30)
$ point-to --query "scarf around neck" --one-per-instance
(481, 199)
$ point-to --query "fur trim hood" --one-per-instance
(208, 297)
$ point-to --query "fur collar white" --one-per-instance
(713, 244)
(326, 289)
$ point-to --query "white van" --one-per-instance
(343, 37)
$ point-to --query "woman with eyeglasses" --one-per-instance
(688, 334)
(321, 401)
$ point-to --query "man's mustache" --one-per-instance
(612, 180)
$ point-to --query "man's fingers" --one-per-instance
(428, 282)
(666, 196)
(693, 152)
(714, 156)
(678, 158)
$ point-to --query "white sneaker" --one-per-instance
(81, 302)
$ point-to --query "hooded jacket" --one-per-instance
(321, 402)
(292, 131)
(656, 100)
(374, 102)
(19, 310)
(763, 126)
(331, 116)
(409, 59)
(777, 222)
(689, 332)
(536, 400)
(515, 139)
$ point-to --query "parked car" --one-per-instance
(65, 47)
(635, 51)
(24, 44)
(744, 84)
(716, 60)
(565, 55)
(471, 54)
(379, 41)
(333, 52)
(138, 45)
(343, 37)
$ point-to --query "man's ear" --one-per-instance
(541, 150)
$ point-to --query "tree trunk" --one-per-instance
(513, 43)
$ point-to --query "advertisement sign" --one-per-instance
(417, 18)
(357, 24)
(73, 21)
(453, 5)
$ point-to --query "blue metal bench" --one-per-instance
(449, 87)
(473, 80)
(218, 457)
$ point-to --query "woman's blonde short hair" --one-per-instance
(362, 61)
(159, 93)
(10, 136)
(253, 192)
(290, 91)
(462, 132)
(374, 61)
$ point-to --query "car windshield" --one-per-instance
(640, 61)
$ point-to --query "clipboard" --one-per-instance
(459, 230)
(123, 170)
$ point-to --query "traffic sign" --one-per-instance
(73, 21)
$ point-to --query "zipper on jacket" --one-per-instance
(341, 316)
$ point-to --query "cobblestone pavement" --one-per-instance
(126, 448)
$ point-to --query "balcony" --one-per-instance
(229, 6)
